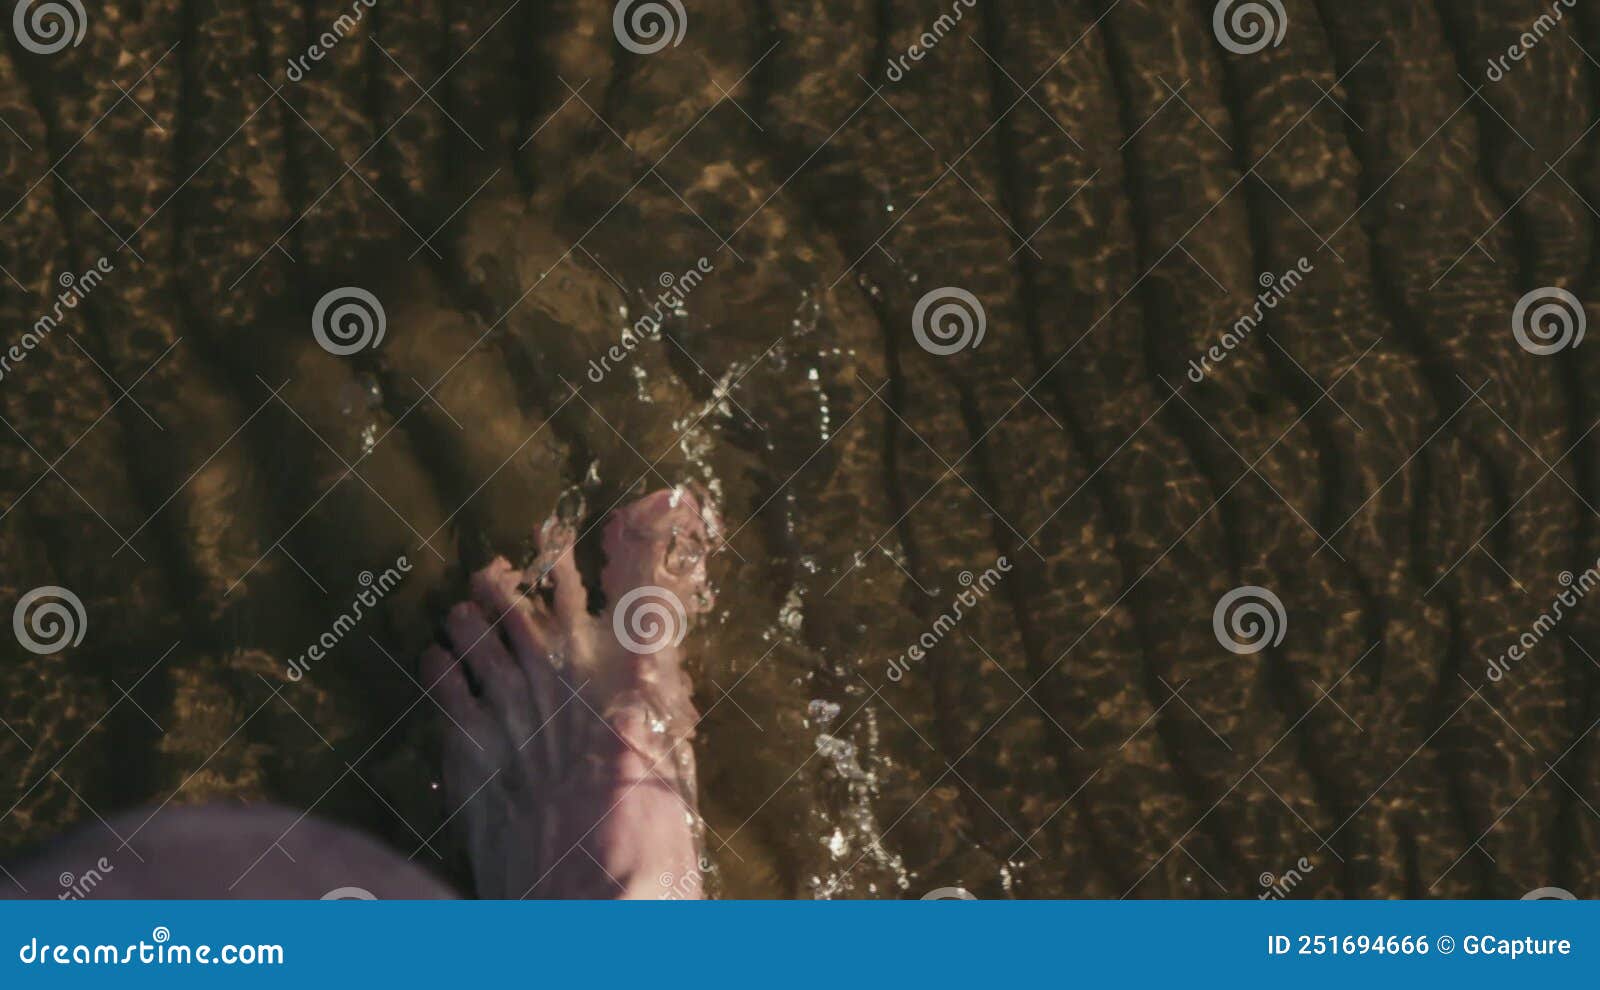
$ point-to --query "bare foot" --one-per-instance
(567, 738)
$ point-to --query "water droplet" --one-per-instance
(822, 712)
(792, 615)
(841, 751)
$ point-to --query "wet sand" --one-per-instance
(1111, 183)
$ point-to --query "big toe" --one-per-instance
(662, 541)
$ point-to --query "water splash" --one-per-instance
(856, 858)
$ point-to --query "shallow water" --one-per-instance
(964, 623)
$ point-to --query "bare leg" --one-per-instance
(219, 852)
(570, 761)
(566, 757)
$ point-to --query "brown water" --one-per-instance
(1079, 730)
